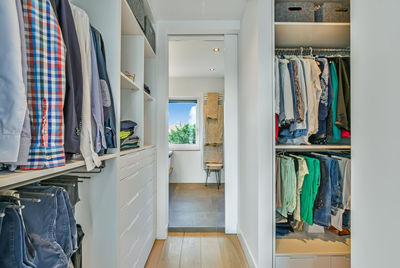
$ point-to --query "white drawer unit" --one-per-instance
(137, 197)
(312, 261)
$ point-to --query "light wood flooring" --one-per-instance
(202, 250)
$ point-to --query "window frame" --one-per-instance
(188, 147)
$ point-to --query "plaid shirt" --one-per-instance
(46, 84)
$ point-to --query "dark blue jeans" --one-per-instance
(14, 242)
(51, 235)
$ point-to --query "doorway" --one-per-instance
(196, 178)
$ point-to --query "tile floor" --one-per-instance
(196, 208)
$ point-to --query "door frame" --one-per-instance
(230, 30)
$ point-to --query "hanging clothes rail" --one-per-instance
(312, 148)
(306, 51)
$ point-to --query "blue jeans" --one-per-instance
(72, 223)
(52, 234)
(322, 210)
(13, 240)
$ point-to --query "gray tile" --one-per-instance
(197, 206)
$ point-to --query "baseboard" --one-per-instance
(250, 259)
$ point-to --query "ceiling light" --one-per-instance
(212, 69)
(216, 49)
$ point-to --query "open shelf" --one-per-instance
(313, 148)
(23, 177)
(315, 34)
(130, 26)
(127, 83)
(148, 97)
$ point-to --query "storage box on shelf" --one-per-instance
(332, 12)
(294, 11)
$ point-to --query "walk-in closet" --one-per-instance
(290, 152)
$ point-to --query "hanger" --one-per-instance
(36, 194)
(13, 198)
(10, 205)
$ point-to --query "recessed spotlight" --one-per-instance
(212, 69)
(216, 49)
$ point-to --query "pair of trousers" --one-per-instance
(54, 236)
(15, 246)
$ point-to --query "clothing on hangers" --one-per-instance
(322, 182)
(309, 92)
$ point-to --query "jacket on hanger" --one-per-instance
(73, 73)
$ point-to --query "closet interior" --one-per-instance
(117, 207)
(313, 135)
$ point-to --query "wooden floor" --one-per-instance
(192, 250)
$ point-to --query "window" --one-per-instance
(183, 130)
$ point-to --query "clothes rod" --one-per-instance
(304, 51)
(312, 148)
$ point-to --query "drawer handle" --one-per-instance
(133, 176)
(132, 200)
(296, 9)
(130, 226)
(341, 10)
(133, 223)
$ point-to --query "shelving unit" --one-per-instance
(323, 35)
(130, 26)
(127, 83)
(300, 248)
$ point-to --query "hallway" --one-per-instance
(197, 250)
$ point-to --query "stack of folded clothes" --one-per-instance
(127, 135)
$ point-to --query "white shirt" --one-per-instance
(82, 26)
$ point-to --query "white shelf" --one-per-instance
(315, 34)
(23, 177)
(313, 147)
(130, 26)
(127, 83)
(147, 96)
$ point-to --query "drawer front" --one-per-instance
(129, 212)
(127, 171)
(131, 235)
(129, 159)
(340, 262)
(129, 187)
(303, 262)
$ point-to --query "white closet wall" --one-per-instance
(375, 71)
(248, 126)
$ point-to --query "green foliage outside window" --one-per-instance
(183, 135)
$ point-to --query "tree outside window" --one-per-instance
(183, 128)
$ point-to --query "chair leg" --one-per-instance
(208, 173)
(219, 178)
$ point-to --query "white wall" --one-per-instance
(248, 128)
(375, 41)
(188, 167)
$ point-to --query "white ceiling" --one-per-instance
(197, 9)
(194, 58)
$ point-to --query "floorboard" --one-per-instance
(197, 250)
